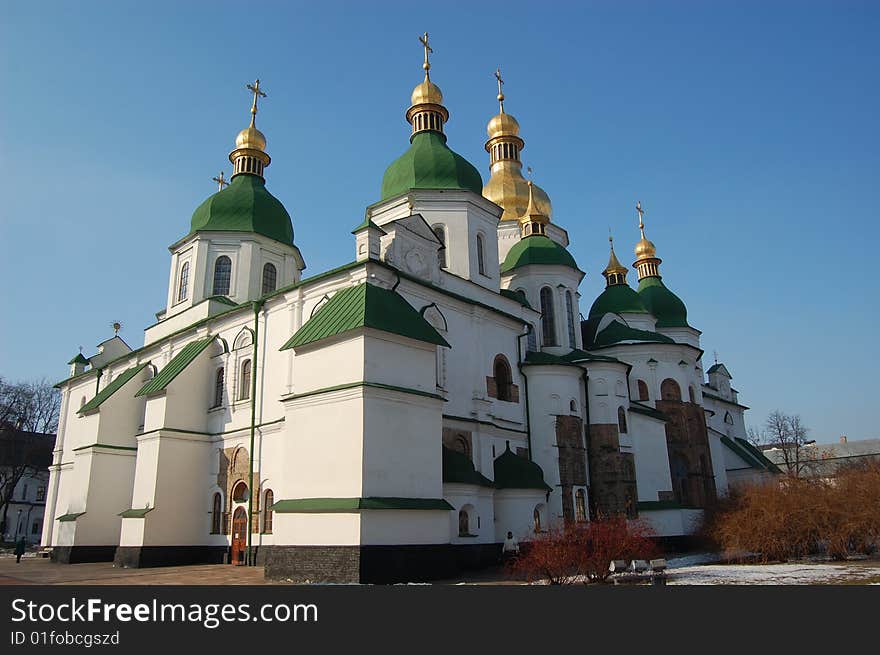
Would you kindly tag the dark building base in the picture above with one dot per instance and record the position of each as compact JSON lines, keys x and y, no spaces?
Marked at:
{"x":82,"y":554}
{"x":375,"y":564}
{"x":136,"y":557}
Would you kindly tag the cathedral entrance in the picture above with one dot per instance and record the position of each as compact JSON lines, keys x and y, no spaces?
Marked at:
{"x":239,"y":536}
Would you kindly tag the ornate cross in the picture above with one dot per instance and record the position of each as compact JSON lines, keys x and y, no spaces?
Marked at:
{"x":424,"y":41}
{"x":255,"y":88}
{"x":221,"y":181}
{"x":641,"y":212}
{"x":500,"y":92}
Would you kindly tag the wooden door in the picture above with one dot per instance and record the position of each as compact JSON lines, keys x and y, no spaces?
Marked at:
{"x":239,"y":536}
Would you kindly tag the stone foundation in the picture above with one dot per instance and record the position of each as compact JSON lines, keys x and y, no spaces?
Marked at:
{"x":82,"y":554}
{"x":136,"y":557}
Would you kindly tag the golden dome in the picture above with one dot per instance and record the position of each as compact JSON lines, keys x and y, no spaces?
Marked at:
{"x":251,"y":138}
{"x":427,"y":93}
{"x":502,"y":125}
{"x":614,"y":265}
{"x":508,"y":189}
{"x":645,"y":249}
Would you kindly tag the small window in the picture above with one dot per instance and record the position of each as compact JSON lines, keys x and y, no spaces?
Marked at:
{"x":240,"y":492}
{"x":222,"y":275}
{"x":440,"y":233}
{"x":728,"y":418}
{"x":503,"y":379}
{"x":580,"y":505}
{"x":692,"y":395}
{"x":548,"y":321}
{"x":643,"y":389}
{"x":269,"y":499}
{"x":183,"y":285}
{"x":569,"y":310}
{"x":35,"y":528}
{"x":216,"y":513}
{"x":536,"y":518}
{"x":572,"y":406}
{"x":218,"y":388}
{"x":463,"y":523}
{"x":481,"y":260}
{"x":244,"y":384}
{"x":669,"y":390}
{"x":621,"y":420}
{"x":270,"y":278}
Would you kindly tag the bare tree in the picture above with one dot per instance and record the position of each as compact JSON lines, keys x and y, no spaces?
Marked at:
{"x":787,"y":433}
{"x":28,"y":412}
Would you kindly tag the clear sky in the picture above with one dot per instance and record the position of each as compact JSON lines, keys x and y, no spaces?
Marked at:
{"x":749,"y":131}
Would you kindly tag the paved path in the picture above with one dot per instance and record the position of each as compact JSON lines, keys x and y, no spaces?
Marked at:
{"x":33,"y":570}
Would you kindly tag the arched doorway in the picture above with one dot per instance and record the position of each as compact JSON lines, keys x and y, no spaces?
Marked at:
{"x":239,"y":536}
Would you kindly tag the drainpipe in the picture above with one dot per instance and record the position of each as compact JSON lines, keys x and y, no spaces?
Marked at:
{"x":250,"y":525}
{"x":525,"y":380}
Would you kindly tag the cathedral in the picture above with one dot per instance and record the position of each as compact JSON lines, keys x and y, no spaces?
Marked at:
{"x":394,"y":418}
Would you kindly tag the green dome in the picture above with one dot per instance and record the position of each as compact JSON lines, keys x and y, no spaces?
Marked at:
{"x":430,"y":164}
{"x":244,"y":206}
{"x":537,"y":249}
{"x":515,"y":472}
{"x":666,"y":307}
{"x":617,"y":299}
{"x":458,"y":468}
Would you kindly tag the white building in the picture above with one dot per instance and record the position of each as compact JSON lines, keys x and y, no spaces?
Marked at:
{"x":393,"y":418}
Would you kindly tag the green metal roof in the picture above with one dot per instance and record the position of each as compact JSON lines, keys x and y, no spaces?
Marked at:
{"x":519,"y":296}
{"x":743,"y":453}
{"x":136,"y":513}
{"x":430,"y":164}
{"x":515,"y":472}
{"x":618,"y":299}
{"x":325,"y":505}
{"x":458,"y":468}
{"x":647,"y":410}
{"x":173,"y":368}
{"x":766,"y":461}
{"x":616,"y":332}
{"x":363,"y":225}
{"x":666,"y":307}
{"x":111,"y":388}
{"x":365,"y":305}
{"x":537,"y":249}
{"x":73,"y":516}
{"x":79,"y":359}
{"x":244,"y":206}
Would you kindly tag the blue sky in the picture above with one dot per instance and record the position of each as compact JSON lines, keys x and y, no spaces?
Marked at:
{"x":748,"y":131}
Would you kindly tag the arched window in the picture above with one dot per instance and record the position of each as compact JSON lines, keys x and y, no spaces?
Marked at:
{"x":548,"y":321}
{"x":532,"y":339}
{"x":244,"y":383}
{"x":728,"y":418}
{"x":222,"y":275}
{"x":240,"y":492}
{"x":481,"y":260}
{"x":572,"y":406}
{"x":440,"y":233}
{"x":643,"y":389}
{"x":692,"y":395}
{"x":270,"y":278}
{"x":621,"y":420}
{"x":503,"y":379}
{"x":569,"y":311}
{"x":461,"y":445}
{"x":669,"y":390}
{"x":183,"y":286}
{"x":536,"y":518}
{"x":216,"y":513}
{"x":218,"y":388}
{"x":580,"y":505}
{"x":463,"y":523}
{"x":268,"y":499}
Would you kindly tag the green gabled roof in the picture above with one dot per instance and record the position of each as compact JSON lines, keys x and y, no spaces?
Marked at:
{"x":584,"y":356}
{"x":173,"y":368}
{"x":136,"y":513}
{"x":616,"y":332}
{"x":519,"y":296}
{"x":743,"y":453}
{"x":365,"y":306}
{"x":79,"y":359}
{"x":72,"y":516}
{"x":767,"y":462}
{"x":666,"y":307}
{"x":244,"y":206}
{"x":326,"y":505}
{"x":430,"y":164}
{"x":537,"y":358}
{"x":363,"y":225}
{"x":537,"y":249}
{"x":515,"y":472}
{"x":647,"y":410}
{"x":111,"y":388}
{"x":458,"y":468}
{"x":617,"y":299}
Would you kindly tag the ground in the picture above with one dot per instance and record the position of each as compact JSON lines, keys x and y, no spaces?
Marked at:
{"x":682,"y":571}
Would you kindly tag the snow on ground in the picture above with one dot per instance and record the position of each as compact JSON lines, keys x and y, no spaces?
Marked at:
{"x":771,"y":574}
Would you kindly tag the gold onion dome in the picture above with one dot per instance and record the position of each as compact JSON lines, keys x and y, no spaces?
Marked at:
{"x":426,"y":93}
{"x":645,"y":249}
{"x":249,"y":155}
{"x":507,"y":187}
{"x":614,"y":266}
{"x":251,"y":138}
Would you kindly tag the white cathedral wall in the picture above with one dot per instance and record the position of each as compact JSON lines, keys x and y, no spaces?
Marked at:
{"x":673,"y":522}
{"x":479,"y":504}
{"x":719,"y":470}
{"x":337,"y":529}
{"x":389,"y":527}
{"x":514,"y":512}
{"x":652,"y":458}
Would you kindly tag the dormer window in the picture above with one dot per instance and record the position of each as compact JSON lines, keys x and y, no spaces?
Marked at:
{"x":222,"y":276}
{"x":270,"y":278}
{"x":183,"y":285}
